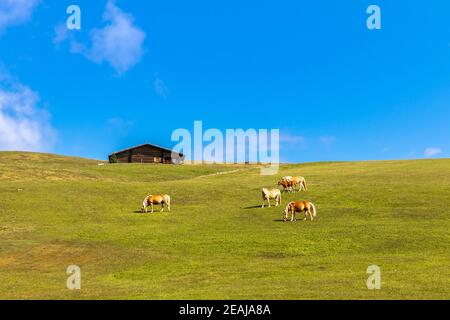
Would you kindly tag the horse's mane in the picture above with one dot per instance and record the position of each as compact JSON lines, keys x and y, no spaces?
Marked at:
{"x":290,"y":204}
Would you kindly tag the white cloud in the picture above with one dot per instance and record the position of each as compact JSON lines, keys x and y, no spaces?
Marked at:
{"x":61,"y":33}
{"x":119,"y":42}
{"x":23,"y":125}
{"x":15,"y":12}
{"x":431,"y":152}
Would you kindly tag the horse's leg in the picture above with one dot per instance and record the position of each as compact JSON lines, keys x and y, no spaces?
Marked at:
{"x":152,"y":207}
{"x":162,"y":207}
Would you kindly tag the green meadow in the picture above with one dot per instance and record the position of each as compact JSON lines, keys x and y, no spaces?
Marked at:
{"x":217,"y":243}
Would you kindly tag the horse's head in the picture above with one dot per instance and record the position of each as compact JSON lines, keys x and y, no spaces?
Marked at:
{"x":145,"y":203}
{"x":144,"y":206}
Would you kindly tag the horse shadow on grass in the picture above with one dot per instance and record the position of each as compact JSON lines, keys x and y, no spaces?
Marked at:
{"x":252,"y":207}
{"x":149,"y":212}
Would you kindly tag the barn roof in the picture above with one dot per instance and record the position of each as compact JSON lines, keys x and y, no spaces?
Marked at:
{"x":143,"y":145}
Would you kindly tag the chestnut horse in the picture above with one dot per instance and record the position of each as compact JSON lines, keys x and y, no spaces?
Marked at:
{"x":271,"y":194}
{"x":289,"y":184}
{"x":305,"y":207}
{"x":150,"y":200}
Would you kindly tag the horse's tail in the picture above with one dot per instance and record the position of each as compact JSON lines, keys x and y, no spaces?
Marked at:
{"x":314,"y":211}
{"x":304,"y":184}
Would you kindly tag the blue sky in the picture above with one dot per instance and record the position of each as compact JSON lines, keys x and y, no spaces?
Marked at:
{"x":137,"y":70}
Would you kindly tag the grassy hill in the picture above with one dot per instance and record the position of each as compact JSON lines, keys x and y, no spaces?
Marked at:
{"x":217,"y":243}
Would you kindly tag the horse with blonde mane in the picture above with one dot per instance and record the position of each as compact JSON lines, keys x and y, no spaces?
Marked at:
{"x":305,"y":207}
{"x":150,"y":200}
{"x":271,"y":194}
{"x":301,"y":182}
{"x":289,"y":183}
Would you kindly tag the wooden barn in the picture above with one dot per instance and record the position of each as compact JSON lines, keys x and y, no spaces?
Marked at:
{"x":146,"y":153}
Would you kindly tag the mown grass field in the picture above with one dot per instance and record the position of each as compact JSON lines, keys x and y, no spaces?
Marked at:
{"x":217,"y":243}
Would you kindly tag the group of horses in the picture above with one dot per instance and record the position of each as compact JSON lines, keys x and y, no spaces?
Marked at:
{"x":290,"y":184}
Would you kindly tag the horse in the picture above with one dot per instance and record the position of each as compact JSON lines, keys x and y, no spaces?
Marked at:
{"x":289,"y":183}
{"x":271,"y":194}
{"x":150,"y":200}
{"x":301,"y":182}
{"x":299,"y":206}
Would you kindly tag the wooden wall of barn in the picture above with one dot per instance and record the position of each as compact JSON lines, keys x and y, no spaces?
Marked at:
{"x":145,"y":154}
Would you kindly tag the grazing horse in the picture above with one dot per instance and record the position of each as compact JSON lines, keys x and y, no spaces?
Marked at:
{"x":305,"y":207}
{"x":289,"y":183}
{"x":150,"y":200}
{"x":271,"y":194}
{"x":301,"y":182}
